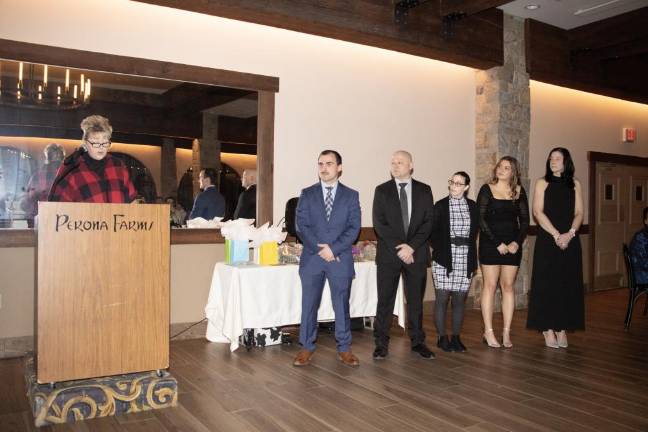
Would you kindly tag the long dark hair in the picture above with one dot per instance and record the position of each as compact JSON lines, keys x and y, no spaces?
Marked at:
{"x":569,"y":169}
{"x":514,"y":182}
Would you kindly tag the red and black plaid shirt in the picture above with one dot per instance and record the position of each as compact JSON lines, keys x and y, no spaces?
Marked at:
{"x":82,"y":184}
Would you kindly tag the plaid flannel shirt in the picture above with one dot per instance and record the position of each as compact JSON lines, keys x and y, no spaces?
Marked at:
{"x":83,"y":184}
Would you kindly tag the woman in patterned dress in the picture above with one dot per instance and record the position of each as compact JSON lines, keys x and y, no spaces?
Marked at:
{"x":456,"y":221}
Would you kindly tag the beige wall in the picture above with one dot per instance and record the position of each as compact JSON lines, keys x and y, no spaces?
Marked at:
{"x":191,"y":272}
{"x":581,"y":122}
{"x":357,"y":99}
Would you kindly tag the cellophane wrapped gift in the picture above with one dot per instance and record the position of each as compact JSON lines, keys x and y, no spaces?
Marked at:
{"x":289,"y":253}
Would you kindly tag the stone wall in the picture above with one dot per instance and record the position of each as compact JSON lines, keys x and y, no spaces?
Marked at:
{"x":502,"y":128}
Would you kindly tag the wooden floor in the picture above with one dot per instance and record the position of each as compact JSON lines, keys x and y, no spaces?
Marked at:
{"x":599,"y":383}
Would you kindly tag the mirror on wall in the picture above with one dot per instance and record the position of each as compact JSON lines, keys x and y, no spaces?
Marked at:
{"x":164,"y":130}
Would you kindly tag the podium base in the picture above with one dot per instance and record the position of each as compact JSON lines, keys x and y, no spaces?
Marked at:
{"x":71,"y":401}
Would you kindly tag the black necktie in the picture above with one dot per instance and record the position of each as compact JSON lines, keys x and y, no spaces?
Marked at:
{"x":403,"y":205}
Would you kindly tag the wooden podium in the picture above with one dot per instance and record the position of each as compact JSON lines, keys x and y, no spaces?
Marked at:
{"x":103,"y":290}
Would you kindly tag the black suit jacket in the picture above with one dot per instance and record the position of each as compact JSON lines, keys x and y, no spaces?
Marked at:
{"x":246,"y":206}
{"x":388,"y":222}
{"x":208,"y":204}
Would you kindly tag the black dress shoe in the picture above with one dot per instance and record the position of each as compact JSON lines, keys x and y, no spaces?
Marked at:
{"x":444,"y":343}
{"x":380,"y":353}
{"x":423,"y":351}
{"x":456,"y":345}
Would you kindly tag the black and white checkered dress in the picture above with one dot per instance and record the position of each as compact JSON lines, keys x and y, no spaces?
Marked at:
{"x":459,"y":227}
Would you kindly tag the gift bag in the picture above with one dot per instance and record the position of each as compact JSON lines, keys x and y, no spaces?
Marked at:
{"x":269,"y":253}
{"x":236,"y":251}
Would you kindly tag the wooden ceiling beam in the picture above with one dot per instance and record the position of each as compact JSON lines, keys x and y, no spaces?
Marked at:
{"x":467,"y":7}
{"x":560,"y":57}
{"x":476,"y":41}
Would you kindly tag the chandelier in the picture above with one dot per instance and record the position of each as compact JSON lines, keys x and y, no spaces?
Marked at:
{"x":42,"y":87}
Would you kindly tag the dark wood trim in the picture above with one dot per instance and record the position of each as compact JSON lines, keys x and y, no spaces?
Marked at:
{"x":65,"y":57}
{"x":11,"y":238}
{"x":196,"y":236}
{"x":27,"y":237}
{"x":265,"y":152}
{"x":467,"y":7}
{"x":591,"y":217}
{"x":617,"y":158}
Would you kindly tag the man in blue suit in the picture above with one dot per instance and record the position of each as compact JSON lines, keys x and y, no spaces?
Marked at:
{"x":209,"y":203}
{"x":328,"y":223}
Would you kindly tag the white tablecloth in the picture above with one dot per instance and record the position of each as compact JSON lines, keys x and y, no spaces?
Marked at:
{"x":253,"y":296}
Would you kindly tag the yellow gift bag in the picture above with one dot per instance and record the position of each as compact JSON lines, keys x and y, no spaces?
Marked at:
{"x":269,"y":253}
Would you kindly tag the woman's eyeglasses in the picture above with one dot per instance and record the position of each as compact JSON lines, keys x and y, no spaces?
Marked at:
{"x":451,"y":183}
{"x":99,"y":145}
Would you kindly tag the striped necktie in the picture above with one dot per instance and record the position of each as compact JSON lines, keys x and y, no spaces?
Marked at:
{"x":328,"y":202}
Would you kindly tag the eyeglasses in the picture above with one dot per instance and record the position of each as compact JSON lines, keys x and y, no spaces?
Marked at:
{"x":99,"y":145}
{"x":451,"y":183}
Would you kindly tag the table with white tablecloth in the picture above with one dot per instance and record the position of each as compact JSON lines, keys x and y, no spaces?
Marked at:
{"x":252,"y":296}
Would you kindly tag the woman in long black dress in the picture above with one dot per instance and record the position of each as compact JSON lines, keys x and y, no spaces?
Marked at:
{"x":503,"y":222}
{"x":556,"y":300}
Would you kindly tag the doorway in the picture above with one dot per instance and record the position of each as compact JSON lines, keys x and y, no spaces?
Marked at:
{"x":618,"y":195}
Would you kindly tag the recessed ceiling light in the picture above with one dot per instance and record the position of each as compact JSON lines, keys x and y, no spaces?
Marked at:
{"x":532,"y":7}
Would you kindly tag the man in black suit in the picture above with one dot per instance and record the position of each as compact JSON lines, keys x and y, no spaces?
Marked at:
{"x":246,"y":206}
{"x":209,"y":203}
{"x":402,"y":219}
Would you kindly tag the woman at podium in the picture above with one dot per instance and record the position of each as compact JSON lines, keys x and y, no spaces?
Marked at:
{"x":91,"y":174}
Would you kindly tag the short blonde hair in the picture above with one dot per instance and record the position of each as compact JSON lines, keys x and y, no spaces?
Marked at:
{"x":96,"y":124}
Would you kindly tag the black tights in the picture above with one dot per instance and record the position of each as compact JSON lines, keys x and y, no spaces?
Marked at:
{"x":441,"y":303}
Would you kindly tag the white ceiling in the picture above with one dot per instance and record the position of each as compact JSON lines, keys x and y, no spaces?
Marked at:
{"x":562,"y":13}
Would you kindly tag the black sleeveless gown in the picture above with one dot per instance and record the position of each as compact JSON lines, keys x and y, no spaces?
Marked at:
{"x":556,"y":298}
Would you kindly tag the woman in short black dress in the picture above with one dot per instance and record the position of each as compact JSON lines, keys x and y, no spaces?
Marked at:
{"x":504,"y":219}
{"x":556,"y":297}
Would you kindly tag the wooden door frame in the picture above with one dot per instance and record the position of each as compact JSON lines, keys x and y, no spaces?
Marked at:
{"x":594,"y":157}
{"x":266,"y":86}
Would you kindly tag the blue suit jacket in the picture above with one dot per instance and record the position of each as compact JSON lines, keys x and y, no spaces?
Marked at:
{"x":208,"y":204}
{"x":340,"y":232}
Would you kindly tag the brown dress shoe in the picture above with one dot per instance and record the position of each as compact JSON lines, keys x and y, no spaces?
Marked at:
{"x":303,"y":358}
{"x":348,"y":358}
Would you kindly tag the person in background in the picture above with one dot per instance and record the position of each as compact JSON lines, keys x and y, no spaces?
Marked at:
{"x":246,"y":206}
{"x":178,"y":214}
{"x":41,"y":181}
{"x":209,"y":203}
{"x":639,"y":251}
{"x":454,"y":255}
{"x":91,"y":174}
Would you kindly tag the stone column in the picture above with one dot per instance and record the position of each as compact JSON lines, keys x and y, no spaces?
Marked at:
{"x":502,"y":129}
{"x":168,"y":169}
